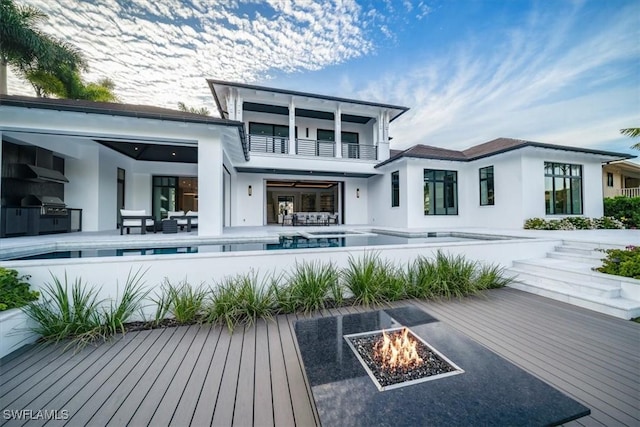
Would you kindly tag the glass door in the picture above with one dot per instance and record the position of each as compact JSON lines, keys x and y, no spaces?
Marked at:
{"x":165,"y":189}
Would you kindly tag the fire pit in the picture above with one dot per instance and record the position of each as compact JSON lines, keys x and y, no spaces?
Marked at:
{"x":413,"y":382}
{"x":397,"y":357}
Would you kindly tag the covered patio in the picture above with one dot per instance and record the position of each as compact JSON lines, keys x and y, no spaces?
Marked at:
{"x":202,"y":375}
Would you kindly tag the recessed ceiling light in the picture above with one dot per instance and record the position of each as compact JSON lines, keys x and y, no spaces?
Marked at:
{"x":173,"y":154}
{"x":135,"y":148}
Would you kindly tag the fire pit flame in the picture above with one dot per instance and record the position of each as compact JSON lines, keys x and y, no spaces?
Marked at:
{"x":397,"y":351}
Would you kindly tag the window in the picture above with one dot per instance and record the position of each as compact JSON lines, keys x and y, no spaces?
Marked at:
{"x":395,"y":189}
{"x":562,"y":188}
{"x":440,"y":192}
{"x":609,"y":179}
{"x":329,"y":135}
{"x":486,"y":186}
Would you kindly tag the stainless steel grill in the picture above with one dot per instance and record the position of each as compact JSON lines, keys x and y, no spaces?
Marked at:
{"x":49,"y":205}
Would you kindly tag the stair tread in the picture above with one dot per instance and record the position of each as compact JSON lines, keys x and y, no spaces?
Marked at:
{"x":617,"y":302}
{"x":561,"y":264}
{"x":598,"y":285}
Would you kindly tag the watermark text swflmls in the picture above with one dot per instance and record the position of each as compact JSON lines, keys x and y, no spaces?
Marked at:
{"x":40,"y":414}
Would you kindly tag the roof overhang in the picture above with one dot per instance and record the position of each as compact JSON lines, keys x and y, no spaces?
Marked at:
{"x":112,"y":135}
{"x":604,"y":156}
{"x":307,"y":104}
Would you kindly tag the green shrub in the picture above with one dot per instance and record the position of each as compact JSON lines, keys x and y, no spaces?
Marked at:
{"x":573,"y":223}
{"x":66,"y":311}
{"x":119,"y":313}
{"x":371,"y":280}
{"x":74,"y":311}
{"x":448,"y":276}
{"x":490,"y":276}
{"x":14,"y":290}
{"x":184,"y":301}
{"x":625,"y":209}
{"x":622,"y":262}
{"x":241,"y":299}
{"x":308,"y":287}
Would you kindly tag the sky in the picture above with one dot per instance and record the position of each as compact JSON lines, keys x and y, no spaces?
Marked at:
{"x":559,"y":72}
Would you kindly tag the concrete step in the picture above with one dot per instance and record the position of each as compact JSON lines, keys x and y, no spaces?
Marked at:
{"x":579,"y":250}
{"x":618,"y":307}
{"x":591,"y":245}
{"x":592,"y":260}
{"x":567,"y":271}
{"x":558,"y":282}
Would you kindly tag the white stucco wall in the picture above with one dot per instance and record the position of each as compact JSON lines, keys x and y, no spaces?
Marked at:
{"x":518,"y":183}
{"x":381,"y":213}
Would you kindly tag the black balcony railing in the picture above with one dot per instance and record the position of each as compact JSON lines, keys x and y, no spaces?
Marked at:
{"x":312,"y":147}
{"x":359,"y":151}
{"x":269,"y":144}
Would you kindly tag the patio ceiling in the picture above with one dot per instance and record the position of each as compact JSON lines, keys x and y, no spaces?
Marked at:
{"x":153,"y":152}
{"x":301,"y":112}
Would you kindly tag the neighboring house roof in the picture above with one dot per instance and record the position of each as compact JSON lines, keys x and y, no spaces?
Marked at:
{"x":399,"y":110}
{"x":491,"y":148}
{"x":126,"y":110}
{"x":629,"y":168}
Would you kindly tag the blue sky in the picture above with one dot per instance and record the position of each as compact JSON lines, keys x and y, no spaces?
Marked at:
{"x":563,"y":72}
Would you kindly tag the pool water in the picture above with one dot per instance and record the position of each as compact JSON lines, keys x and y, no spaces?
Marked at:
{"x":285,"y":242}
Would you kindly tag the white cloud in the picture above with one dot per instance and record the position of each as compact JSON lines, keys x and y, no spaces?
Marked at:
{"x":542,"y":83}
{"x":160,"y":52}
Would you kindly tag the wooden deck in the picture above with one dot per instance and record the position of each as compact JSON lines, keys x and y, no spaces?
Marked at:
{"x":203,"y":375}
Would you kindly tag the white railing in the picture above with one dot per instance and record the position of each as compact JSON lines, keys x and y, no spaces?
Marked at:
{"x":630,"y":192}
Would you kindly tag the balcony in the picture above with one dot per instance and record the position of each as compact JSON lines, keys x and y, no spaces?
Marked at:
{"x":268,"y":144}
{"x":310,"y":147}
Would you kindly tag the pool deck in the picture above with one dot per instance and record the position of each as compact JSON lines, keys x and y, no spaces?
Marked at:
{"x":202,"y":375}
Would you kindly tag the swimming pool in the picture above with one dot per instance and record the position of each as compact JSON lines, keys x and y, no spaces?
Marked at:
{"x":298,"y":241}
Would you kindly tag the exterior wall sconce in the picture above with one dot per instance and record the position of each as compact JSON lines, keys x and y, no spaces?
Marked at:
{"x":249,"y":190}
{"x":358,"y":193}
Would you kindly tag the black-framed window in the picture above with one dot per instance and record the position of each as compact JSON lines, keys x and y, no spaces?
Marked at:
{"x":330,"y":135}
{"x":395,"y":189}
{"x":440,"y":192}
{"x":609,"y":179}
{"x":487,"y":193}
{"x":562,"y":188}
{"x":267,"y":129}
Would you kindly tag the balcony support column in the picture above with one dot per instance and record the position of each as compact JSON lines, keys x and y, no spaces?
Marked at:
{"x":293,"y":146}
{"x":239,"y":103}
{"x":338,"y":132}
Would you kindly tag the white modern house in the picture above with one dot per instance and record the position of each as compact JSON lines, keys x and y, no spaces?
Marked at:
{"x":274,"y":152}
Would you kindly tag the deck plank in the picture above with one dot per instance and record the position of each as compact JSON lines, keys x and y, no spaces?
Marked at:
{"x":206,"y":405}
{"x":189,"y":399}
{"x":110,"y":380}
{"x":282,"y":407}
{"x":175,"y":390}
{"x":89,"y":381}
{"x":122,"y":414}
{"x":243,"y":410}
{"x":262,"y":398}
{"x":300,"y":399}
{"x":202,"y":375}
{"x":157,"y":341}
{"x":223,"y":414}
{"x":154,"y":394}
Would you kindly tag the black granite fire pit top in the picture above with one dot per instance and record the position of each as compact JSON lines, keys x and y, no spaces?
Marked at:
{"x":431,"y":366}
{"x":491,"y":391}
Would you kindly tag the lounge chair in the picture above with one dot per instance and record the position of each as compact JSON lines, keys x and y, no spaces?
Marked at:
{"x":136,"y":218}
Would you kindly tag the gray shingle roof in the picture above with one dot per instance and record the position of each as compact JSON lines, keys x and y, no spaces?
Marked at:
{"x":496,"y":146}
